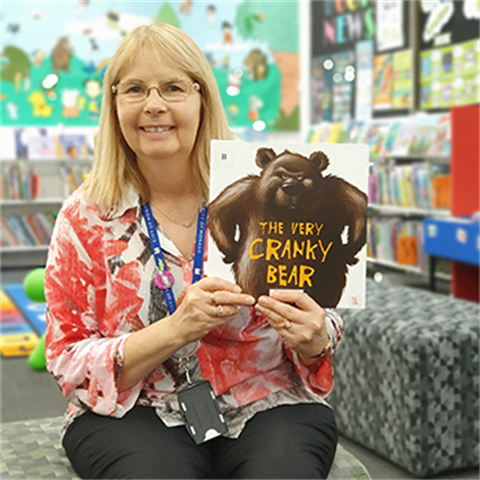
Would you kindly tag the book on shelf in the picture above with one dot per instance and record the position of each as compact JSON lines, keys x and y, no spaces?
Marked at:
{"x":290,"y":216}
{"x":417,"y":136}
{"x":27,"y":230}
{"x":71,"y":146}
{"x":417,"y":185}
{"x":423,"y":135}
{"x":396,"y":240}
{"x":441,"y":143}
{"x":19,"y":182}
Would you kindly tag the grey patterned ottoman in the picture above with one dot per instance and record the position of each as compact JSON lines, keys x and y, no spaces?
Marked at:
{"x":407,"y":378}
{"x":31,"y":449}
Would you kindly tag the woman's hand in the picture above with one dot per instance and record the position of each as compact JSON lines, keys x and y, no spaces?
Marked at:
{"x":299,"y":319}
{"x":207,"y":304}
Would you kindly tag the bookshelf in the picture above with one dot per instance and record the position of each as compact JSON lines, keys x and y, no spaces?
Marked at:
{"x":33,"y":192}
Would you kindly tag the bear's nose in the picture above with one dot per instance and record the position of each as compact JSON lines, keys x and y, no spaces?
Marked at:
{"x":292,"y":188}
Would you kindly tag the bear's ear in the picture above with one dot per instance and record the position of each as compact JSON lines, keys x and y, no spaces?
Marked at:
{"x":320,"y":160}
{"x":264,"y":157}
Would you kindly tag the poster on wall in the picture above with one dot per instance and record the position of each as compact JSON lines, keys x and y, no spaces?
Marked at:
{"x":321,"y":85}
{"x":449,"y":56}
{"x":389,"y":19}
{"x":343,"y":76}
{"x":402,"y":79}
{"x":363,"y":93}
{"x":55,"y":55}
{"x":383,"y":81}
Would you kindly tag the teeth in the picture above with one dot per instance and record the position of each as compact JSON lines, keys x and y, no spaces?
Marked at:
{"x":156,"y":129}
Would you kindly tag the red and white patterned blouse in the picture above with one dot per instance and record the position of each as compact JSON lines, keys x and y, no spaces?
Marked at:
{"x":100,"y":289}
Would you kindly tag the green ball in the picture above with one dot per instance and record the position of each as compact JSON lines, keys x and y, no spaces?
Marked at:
{"x":33,"y":285}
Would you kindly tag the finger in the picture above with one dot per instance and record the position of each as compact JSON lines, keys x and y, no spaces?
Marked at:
{"x":280,"y":308}
{"x":215,"y":283}
{"x":225,"y":297}
{"x":295,"y":297}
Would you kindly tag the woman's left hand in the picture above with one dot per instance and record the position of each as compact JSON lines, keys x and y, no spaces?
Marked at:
{"x":299,"y":319}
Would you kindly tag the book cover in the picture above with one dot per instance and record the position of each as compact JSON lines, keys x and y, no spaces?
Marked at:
{"x":71,"y":146}
{"x":290,"y":216}
{"x":440,"y":146}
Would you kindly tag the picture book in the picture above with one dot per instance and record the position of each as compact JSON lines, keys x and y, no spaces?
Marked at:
{"x":290,"y":216}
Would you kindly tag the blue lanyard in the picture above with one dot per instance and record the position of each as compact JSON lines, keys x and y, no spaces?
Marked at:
{"x":158,"y":253}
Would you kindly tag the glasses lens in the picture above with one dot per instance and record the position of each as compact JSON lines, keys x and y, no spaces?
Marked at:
{"x":175,"y":91}
{"x":133,"y":92}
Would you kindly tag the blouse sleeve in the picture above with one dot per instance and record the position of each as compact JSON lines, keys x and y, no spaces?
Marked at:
{"x":318,"y":376}
{"x":85,"y":363}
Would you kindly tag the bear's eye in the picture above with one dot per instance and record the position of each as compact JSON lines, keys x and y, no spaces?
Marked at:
{"x":299,"y":178}
{"x":284,"y":176}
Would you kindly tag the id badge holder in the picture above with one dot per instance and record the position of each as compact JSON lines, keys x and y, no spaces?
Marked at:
{"x":201,"y":412}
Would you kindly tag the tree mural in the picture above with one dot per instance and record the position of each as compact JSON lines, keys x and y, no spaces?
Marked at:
{"x":167,"y":15}
{"x":17,"y":67}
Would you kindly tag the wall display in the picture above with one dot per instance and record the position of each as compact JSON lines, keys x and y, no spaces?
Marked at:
{"x":402,"y":79}
{"x":55,"y":55}
{"x":449,"y":56}
{"x":383,"y":81}
{"x":322,"y":89}
{"x":364,"y":83}
{"x":338,"y":25}
{"x":332,"y":87}
{"x":343,"y":75}
{"x":389,"y":20}
{"x":450,"y":75}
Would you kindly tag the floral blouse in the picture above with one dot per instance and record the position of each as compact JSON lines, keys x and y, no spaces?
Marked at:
{"x":100,"y":288}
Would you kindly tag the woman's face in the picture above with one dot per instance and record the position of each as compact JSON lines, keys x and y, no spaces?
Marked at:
{"x":156,"y":129}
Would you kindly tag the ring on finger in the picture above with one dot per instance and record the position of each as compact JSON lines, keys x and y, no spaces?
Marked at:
{"x":212,"y":298}
{"x":287,"y":324}
{"x":220,"y":311}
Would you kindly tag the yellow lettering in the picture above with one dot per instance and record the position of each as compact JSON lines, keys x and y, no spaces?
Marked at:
{"x":287,"y":249}
{"x":271,"y":274}
{"x":305,"y":273}
{"x":310,"y":254}
{"x":309,"y":228}
{"x":293,"y":278}
{"x":298,"y":250}
{"x":263,"y":225}
{"x":272,"y":249}
{"x":319,"y":228}
{"x":282,"y":274}
{"x":251,"y":254}
{"x":325,"y":252}
{"x":294,"y":227}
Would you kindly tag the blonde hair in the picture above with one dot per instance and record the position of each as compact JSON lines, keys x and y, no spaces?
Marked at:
{"x":115,"y":165}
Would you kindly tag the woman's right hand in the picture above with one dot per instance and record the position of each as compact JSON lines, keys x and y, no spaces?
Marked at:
{"x":205,"y":305}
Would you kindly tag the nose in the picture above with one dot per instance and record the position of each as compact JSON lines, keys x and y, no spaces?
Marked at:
{"x":154,"y":101}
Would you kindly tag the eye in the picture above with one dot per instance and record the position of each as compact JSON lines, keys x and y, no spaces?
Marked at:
{"x":285,"y":176}
{"x":174,"y":88}
{"x":299,"y":178}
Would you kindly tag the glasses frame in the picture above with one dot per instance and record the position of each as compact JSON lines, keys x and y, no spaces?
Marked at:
{"x":191,"y":86}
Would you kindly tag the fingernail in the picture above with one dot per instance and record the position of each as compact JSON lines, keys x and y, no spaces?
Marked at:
{"x":263,"y":301}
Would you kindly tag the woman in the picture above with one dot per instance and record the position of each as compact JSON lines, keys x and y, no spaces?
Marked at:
{"x":126,"y":349}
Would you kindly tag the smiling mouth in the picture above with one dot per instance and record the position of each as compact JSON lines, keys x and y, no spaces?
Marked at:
{"x":156,"y":129}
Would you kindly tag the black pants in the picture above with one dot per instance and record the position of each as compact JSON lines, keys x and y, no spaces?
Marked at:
{"x":291,"y":441}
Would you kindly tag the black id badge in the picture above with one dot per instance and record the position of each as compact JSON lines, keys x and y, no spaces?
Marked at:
{"x":201,"y":412}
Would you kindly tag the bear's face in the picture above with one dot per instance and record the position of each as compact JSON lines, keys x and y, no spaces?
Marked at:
{"x":287,"y":181}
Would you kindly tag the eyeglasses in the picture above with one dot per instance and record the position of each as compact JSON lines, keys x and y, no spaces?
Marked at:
{"x":170,"y":90}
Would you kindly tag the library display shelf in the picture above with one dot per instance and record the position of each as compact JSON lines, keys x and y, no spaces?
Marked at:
{"x":374,"y":262}
{"x":408,"y":211}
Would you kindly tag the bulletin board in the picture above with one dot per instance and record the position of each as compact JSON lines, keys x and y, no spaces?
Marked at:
{"x":54,"y":57}
{"x":361,"y":59}
{"x":449,"y":53}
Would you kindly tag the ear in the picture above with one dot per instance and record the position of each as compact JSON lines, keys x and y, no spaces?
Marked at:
{"x":264,"y":157}
{"x":320,"y":160}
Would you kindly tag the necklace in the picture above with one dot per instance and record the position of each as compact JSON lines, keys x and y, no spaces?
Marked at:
{"x":185,"y":224}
